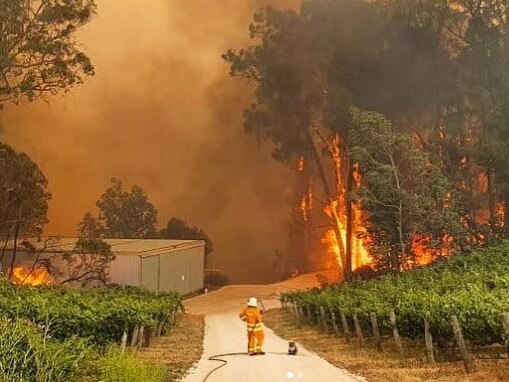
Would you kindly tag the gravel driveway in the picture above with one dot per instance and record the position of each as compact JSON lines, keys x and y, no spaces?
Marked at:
{"x":226,"y":333}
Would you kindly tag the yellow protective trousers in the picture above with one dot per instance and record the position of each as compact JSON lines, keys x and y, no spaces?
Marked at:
{"x":253,"y":318}
{"x":255,"y":341}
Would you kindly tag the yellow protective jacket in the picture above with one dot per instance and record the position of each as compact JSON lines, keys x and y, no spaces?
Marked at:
{"x":253,"y":317}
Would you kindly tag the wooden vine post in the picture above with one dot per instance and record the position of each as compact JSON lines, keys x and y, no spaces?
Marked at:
{"x":297,"y":313}
{"x":505,"y":321}
{"x":292,"y":309}
{"x":376,"y":332}
{"x":308,"y":314}
{"x":358,"y":328}
{"x":428,"y":340}
{"x":301,"y":313}
{"x":159,"y":328}
{"x":123,"y":341}
{"x":318,"y":320}
{"x":346,"y":329}
{"x":458,"y":334}
{"x":141,"y":336}
{"x":395,"y":332}
{"x":134,"y":336}
{"x":325,"y":325}
{"x":335,"y":326}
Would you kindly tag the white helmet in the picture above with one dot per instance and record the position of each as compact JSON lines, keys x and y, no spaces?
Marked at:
{"x":252,"y":302}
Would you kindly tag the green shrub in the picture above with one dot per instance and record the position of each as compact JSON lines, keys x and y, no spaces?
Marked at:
{"x":27,"y":355}
{"x":118,"y":367}
{"x":475,"y":287}
{"x":99,"y":314}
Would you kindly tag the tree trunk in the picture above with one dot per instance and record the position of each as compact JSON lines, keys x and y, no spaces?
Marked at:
{"x":4,"y":248}
{"x":349,"y":222}
{"x":400,"y":214}
{"x":330,"y":200}
{"x":14,"y":249}
{"x":492,"y":202}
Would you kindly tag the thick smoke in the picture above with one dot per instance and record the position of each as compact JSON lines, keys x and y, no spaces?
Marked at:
{"x":162,"y":113}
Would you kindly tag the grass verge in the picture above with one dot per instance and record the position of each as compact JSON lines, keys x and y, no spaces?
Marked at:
{"x":181,"y":348}
{"x":388,"y":366}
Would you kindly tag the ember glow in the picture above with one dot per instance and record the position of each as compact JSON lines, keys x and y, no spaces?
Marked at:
{"x":27,"y":276}
{"x":306,"y":205}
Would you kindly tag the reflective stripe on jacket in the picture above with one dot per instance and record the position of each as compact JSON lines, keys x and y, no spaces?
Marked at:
{"x":253,"y":318}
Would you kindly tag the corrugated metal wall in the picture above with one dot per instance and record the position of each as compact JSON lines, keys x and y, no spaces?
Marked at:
{"x":180,"y":270}
{"x":150,"y":272}
{"x":125,"y":270}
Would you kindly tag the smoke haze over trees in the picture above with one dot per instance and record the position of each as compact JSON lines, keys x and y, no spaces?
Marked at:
{"x":161,"y":112}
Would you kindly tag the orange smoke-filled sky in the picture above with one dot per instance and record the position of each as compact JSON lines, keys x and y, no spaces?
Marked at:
{"x":162,"y":113}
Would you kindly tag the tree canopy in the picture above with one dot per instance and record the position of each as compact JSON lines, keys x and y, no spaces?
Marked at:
{"x":38,"y":51}
{"x":122,"y":214}
{"x":436,"y":73}
{"x":24,"y":194}
{"x":181,"y":230}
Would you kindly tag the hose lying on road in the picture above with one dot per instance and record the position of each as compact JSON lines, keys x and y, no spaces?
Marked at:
{"x":217,"y":358}
{"x":224,"y":362}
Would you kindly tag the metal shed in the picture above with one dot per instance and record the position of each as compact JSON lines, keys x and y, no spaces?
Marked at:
{"x":158,"y":265}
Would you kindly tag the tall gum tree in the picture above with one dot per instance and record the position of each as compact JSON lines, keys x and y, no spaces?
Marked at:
{"x":310,"y":67}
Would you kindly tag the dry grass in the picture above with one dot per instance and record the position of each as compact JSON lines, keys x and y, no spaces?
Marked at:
{"x":383,"y":367}
{"x":181,"y":348}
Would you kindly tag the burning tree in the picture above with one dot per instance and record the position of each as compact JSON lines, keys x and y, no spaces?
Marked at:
{"x":438,"y":71}
{"x":413,"y":214}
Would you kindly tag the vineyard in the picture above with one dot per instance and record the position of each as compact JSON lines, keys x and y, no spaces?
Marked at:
{"x":61,"y":334}
{"x":423,"y":303}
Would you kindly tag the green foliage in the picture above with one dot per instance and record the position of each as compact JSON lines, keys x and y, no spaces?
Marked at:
{"x":180,"y":230}
{"x":26,"y":355}
{"x":99,"y":314}
{"x":118,"y":367}
{"x":405,"y":194}
{"x":23,"y":194}
{"x":123,"y":214}
{"x":88,"y":262}
{"x":38,"y":51}
{"x":474,"y":287}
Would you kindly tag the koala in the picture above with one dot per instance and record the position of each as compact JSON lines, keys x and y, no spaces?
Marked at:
{"x":292,"y":348}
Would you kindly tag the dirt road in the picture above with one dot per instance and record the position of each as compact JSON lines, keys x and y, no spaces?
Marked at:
{"x":225,"y":333}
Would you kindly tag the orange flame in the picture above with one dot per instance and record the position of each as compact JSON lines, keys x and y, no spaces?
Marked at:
{"x":425,"y":254}
{"x":24,"y":276}
{"x":360,"y":255}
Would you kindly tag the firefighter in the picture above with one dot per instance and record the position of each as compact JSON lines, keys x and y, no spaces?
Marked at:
{"x":253,"y":317}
